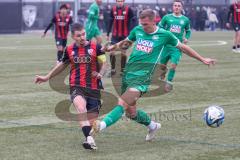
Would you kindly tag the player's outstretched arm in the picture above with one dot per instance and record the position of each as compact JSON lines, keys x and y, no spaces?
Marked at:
{"x":56,"y":70}
{"x":122,"y":45}
{"x":192,"y":53}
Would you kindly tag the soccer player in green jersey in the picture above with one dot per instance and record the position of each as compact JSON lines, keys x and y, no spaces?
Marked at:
{"x":178,"y":24}
{"x":92,"y":22}
{"x":150,"y":41}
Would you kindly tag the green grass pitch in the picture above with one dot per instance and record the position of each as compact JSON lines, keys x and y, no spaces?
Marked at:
{"x":29,"y":128}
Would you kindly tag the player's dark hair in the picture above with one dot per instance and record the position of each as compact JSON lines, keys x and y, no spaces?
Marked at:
{"x":178,"y":1}
{"x":63,"y":6}
{"x":147,"y":13}
{"x":76,"y":27}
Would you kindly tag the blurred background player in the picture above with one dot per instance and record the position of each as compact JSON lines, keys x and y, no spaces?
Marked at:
{"x":87,"y":66}
{"x":62,"y":21}
{"x":149,"y":43}
{"x":92,"y":28}
{"x":234,"y":18}
{"x":120,"y":23}
{"x":178,"y":24}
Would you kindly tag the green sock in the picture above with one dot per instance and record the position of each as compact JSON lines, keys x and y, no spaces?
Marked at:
{"x":171,"y":75}
{"x":113,"y":116}
{"x":142,"y":118}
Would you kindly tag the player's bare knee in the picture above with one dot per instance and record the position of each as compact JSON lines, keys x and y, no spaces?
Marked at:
{"x":121,"y":102}
{"x":174,"y":66}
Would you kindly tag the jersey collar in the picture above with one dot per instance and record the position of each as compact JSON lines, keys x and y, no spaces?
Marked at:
{"x":154,"y":31}
{"x":176,"y":16}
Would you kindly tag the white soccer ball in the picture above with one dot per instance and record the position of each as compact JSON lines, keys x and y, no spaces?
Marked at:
{"x":214,"y":116}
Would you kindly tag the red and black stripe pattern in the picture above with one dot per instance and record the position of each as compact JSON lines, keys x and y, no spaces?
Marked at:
{"x":120,"y":21}
{"x":62,"y":26}
{"x":234,"y":11}
{"x":83,"y":62}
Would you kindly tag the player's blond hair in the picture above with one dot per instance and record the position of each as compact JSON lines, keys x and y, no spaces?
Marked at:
{"x":147,"y":13}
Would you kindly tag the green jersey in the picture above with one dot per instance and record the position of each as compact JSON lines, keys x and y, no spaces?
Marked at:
{"x":145,"y":55}
{"x":177,"y":25}
{"x":93,"y":16}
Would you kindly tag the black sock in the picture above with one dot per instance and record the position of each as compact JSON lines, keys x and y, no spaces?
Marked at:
{"x":59,"y":55}
{"x":238,"y":46}
{"x":113,"y":61}
{"x":86,"y":130}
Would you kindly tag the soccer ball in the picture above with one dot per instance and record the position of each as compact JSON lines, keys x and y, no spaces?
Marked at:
{"x":213,"y":116}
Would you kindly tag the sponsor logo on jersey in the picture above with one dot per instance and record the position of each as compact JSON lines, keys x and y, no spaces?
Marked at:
{"x":175,"y":28}
{"x":62,"y":23}
{"x":119,"y":17}
{"x":144,"y":45}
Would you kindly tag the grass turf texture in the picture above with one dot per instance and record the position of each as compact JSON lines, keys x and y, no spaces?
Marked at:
{"x":29,"y":128}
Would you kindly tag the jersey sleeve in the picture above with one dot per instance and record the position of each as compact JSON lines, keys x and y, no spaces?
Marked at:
{"x":188,"y":29}
{"x":92,"y":12}
{"x":132,"y":35}
{"x":231,"y":10}
{"x":101,"y":57}
{"x":162,"y":23}
{"x":172,"y":39}
{"x":65,"y":58}
{"x":53,"y":21}
{"x":99,"y":51}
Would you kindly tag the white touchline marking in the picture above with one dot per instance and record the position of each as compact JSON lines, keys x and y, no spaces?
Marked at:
{"x":208,"y":43}
{"x":38,"y":120}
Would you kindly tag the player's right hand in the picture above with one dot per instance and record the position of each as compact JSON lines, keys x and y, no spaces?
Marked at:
{"x":228,"y":25}
{"x":40,"y":79}
{"x":44,"y":34}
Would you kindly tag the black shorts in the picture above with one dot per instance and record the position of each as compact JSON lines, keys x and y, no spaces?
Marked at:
{"x":61,"y":42}
{"x":236,"y":26}
{"x":115,"y":40}
{"x":92,"y":97}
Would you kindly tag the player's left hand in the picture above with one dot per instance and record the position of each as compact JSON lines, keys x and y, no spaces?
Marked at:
{"x":209,"y":61}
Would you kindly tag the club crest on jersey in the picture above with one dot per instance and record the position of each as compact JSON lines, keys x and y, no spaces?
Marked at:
{"x":175,"y":28}
{"x":155,"y":37}
{"x":90,"y":51}
{"x":144,"y":45}
{"x":181,"y":22}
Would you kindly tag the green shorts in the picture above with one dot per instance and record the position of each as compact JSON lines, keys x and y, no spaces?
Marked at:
{"x":93,"y":32}
{"x":138,"y":82}
{"x":171,"y":53}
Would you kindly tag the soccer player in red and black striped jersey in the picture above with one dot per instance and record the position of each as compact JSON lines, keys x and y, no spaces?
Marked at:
{"x":234,"y":18}
{"x":62,"y":21}
{"x":119,"y":25}
{"x":87,"y":66}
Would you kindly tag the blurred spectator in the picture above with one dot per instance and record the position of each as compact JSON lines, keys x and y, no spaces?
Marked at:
{"x":201,"y":17}
{"x":106,"y":16}
{"x":212,"y":21}
{"x":82,"y":15}
{"x":222,"y":16}
{"x":162,"y":12}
